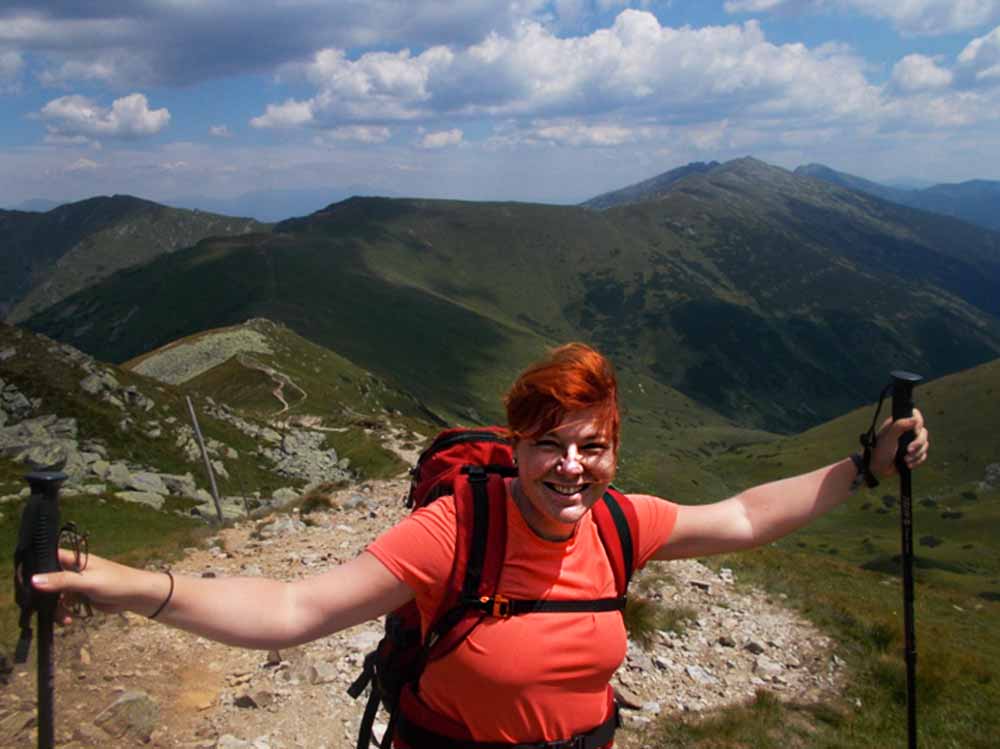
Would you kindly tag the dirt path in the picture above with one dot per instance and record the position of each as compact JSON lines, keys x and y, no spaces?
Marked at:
{"x":209,"y":695}
{"x":280,"y":379}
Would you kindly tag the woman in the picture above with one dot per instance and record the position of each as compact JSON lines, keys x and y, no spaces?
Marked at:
{"x":532,"y":678}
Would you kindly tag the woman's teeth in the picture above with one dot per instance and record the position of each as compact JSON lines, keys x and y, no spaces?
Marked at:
{"x":566,"y":490}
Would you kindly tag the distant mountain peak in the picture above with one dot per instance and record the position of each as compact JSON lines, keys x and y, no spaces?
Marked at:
{"x":744,"y":168}
{"x":649,"y":189}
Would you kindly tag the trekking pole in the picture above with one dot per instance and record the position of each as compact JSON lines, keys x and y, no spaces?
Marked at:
{"x":902,"y":408}
{"x":37,"y":552}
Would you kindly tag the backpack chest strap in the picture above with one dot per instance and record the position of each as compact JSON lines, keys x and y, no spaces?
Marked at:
{"x":502,"y":607}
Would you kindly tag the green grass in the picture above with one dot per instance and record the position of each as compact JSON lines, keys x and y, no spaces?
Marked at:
{"x":958,"y":662}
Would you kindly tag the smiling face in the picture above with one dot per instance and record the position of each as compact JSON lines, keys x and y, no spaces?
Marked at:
{"x":563,"y":472}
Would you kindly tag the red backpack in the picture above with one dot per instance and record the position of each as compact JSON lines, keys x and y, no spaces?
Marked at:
{"x":471,"y":464}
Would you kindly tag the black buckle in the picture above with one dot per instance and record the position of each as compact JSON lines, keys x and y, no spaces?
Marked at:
{"x":498,"y":606}
{"x":475,"y":472}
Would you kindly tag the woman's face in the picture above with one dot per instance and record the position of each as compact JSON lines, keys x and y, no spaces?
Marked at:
{"x":563,"y":472}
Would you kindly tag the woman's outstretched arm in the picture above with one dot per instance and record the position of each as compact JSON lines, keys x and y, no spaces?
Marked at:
{"x":245,"y":611}
{"x":767,"y":512}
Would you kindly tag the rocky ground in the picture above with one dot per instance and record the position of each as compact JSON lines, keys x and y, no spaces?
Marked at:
{"x":122,"y":681}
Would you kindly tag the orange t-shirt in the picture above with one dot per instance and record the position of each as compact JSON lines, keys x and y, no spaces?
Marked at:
{"x":533,"y":677}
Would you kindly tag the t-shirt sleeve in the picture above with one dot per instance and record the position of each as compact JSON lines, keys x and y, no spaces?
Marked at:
{"x":656,"y":523}
{"x":420,"y":550}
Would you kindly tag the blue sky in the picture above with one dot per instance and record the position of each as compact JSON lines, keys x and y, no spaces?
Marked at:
{"x":520,"y":100}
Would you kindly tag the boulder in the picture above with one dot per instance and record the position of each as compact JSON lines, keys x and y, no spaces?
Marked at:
{"x":44,"y":457}
{"x":180,"y":485}
{"x":147,"y":481}
{"x":118,"y":474}
{"x":133,"y":716}
{"x":144,"y":498}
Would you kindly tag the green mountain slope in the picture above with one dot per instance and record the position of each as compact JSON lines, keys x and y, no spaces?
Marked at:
{"x":976,"y":201}
{"x":45,"y":257}
{"x":770,"y":298}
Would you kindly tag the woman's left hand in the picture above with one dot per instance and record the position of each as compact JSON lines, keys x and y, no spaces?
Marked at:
{"x":883,"y":461}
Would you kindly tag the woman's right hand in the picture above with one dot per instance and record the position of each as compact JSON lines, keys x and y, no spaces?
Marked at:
{"x":105,"y":585}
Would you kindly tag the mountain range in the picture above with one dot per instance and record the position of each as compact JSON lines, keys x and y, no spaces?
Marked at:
{"x":774,"y":299}
{"x":45,"y":257}
{"x":976,"y":201}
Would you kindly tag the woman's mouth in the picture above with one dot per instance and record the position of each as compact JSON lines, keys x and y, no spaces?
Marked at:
{"x":566,"y":490}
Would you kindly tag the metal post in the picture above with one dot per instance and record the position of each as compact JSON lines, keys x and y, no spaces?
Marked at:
{"x":204,"y":454}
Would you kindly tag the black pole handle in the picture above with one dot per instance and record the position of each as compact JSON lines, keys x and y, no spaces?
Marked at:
{"x":902,"y":393}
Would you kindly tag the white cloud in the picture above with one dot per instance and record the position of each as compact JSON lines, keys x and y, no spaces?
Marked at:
{"x":981,"y":57}
{"x":920,"y":73}
{"x":360,"y":134}
{"x":82,"y":165}
{"x":582,"y":134}
{"x":291,"y":113}
{"x":103,"y":70}
{"x":753,"y":6}
{"x":635,"y":68}
{"x":441,"y":139}
{"x":927,"y":17}
{"x":77,"y":116}
{"x":219,"y":131}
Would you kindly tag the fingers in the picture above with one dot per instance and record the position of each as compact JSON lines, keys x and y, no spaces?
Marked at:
{"x":888,"y":438}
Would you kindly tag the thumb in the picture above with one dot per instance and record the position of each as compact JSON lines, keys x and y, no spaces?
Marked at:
{"x":57,"y":582}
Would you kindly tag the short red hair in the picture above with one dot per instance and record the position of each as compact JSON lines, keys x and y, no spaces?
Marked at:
{"x":570,"y":378}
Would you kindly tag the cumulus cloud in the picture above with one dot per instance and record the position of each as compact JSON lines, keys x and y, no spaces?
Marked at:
{"x":167,"y":42}
{"x":79,"y":117}
{"x":981,"y":58}
{"x":635,"y":68}
{"x":441,"y":139}
{"x":219,"y":131}
{"x":920,"y":73}
{"x":291,"y":113}
{"x":929,"y":17}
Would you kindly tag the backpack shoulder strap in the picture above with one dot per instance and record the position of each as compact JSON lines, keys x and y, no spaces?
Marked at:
{"x":618,"y":527}
{"x":480,"y":547}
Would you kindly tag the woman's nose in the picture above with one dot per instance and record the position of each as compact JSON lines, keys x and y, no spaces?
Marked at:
{"x":570,"y":461}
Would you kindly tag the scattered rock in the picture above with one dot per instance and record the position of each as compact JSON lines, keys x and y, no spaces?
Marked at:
{"x":133,"y":715}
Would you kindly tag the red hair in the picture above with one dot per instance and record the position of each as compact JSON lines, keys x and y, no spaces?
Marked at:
{"x":572,"y":377}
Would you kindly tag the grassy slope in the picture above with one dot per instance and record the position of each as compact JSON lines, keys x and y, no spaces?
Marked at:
{"x":324,"y":385}
{"x":954,"y":520}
